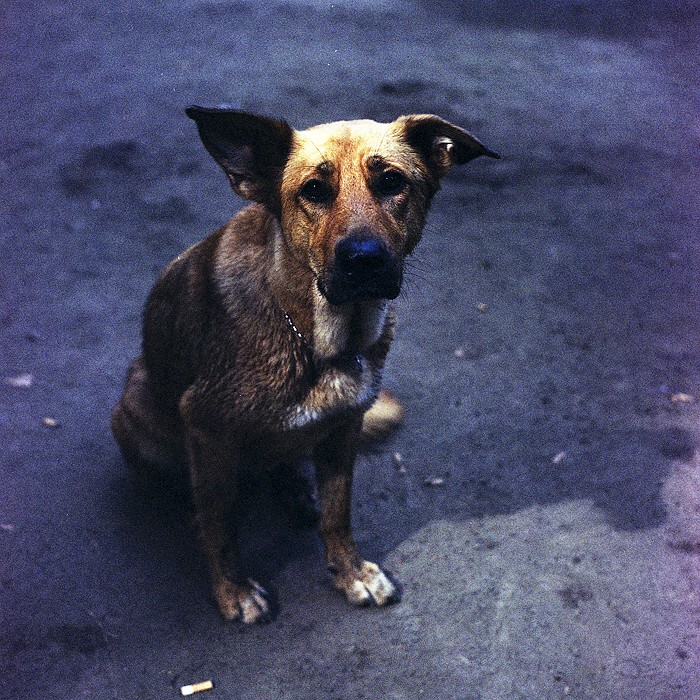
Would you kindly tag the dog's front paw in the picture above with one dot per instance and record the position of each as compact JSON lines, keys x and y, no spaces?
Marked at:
{"x":367,"y":585}
{"x":248,"y":604}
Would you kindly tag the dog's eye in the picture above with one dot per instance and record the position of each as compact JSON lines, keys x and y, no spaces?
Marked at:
{"x":390,"y":183}
{"x":316,"y":192}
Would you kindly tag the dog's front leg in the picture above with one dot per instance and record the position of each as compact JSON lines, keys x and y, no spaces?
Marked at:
{"x":213,"y":477}
{"x":362,"y":582}
{"x":213,"y":490}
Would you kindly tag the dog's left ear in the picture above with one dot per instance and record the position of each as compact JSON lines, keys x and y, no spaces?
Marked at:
{"x":252,"y":150}
{"x":441,"y":144}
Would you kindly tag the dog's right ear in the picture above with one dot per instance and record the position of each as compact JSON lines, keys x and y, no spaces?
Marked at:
{"x":252,"y":150}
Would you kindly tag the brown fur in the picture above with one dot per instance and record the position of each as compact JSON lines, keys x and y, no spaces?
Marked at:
{"x":264,"y":343}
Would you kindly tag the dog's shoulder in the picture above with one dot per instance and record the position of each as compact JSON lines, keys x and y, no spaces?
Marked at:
{"x":250,"y":227}
{"x":241,"y":263}
{"x":226,"y":267}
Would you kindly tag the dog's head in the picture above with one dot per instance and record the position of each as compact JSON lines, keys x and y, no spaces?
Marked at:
{"x":351,"y":197}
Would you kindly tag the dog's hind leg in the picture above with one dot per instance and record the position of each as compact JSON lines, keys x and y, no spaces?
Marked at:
{"x":150,"y":440}
{"x":383,"y":416}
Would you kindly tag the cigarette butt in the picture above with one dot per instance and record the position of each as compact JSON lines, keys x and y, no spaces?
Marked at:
{"x":196,"y":688}
{"x":481,"y":307}
{"x":50,"y":422}
{"x":559,"y":457}
{"x":682,"y":398}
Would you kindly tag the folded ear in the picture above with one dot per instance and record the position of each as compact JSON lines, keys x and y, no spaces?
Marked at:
{"x":252,"y":150}
{"x":441,"y":144}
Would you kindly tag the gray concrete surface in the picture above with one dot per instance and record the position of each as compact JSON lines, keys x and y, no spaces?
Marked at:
{"x":560,"y":555}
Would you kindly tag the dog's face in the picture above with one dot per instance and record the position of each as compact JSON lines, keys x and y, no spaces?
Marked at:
{"x":351,"y":197}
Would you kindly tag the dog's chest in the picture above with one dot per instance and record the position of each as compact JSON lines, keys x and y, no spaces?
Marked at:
{"x":347,"y":385}
{"x":278,"y":379}
{"x":275,"y":385}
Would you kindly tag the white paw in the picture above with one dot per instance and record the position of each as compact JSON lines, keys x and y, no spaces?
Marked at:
{"x":254,"y":607}
{"x":245,"y":603}
{"x":369,"y":585}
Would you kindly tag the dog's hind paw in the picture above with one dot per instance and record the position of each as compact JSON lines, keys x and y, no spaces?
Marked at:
{"x":368,"y":586}
{"x":385,"y":414}
{"x":248,"y":604}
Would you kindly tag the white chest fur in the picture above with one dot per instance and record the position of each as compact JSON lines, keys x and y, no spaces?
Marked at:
{"x":341,"y":386}
{"x":350,"y":328}
{"x":347,"y":380}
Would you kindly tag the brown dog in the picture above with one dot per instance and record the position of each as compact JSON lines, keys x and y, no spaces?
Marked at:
{"x":265,"y":342}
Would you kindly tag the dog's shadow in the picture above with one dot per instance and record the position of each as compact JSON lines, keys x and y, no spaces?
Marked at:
{"x":156,"y":522}
{"x":157,"y":526}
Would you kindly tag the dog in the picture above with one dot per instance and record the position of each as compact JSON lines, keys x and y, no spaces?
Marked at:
{"x":263,"y":344}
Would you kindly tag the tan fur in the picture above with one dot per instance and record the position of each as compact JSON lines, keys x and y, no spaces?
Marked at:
{"x":265,"y":342}
{"x":383,"y":416}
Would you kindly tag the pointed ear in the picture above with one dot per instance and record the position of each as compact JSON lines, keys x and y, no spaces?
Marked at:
{"x":441,"y":144}
{"x":252,"y":150}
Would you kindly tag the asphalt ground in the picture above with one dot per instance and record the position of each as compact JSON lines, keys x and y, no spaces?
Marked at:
{"x":544,"y":517}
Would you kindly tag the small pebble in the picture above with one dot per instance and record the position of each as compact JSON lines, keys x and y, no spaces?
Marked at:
{"x":21,"y":381}
{"x":397,"y":459}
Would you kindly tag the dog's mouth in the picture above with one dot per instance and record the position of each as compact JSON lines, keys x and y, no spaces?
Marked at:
{"x":337,"y":296}
{"x":363,"y":268}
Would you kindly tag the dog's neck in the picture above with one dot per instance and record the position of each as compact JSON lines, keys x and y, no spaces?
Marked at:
{"x":349,"y":329}
{"x":331,"y":331}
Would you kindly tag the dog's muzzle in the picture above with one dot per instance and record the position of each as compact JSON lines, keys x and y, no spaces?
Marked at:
{"x":363,"y":268}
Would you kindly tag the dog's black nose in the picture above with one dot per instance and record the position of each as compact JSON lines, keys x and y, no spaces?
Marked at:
{"x":356,"y":255}
{"x":363,"y":267}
